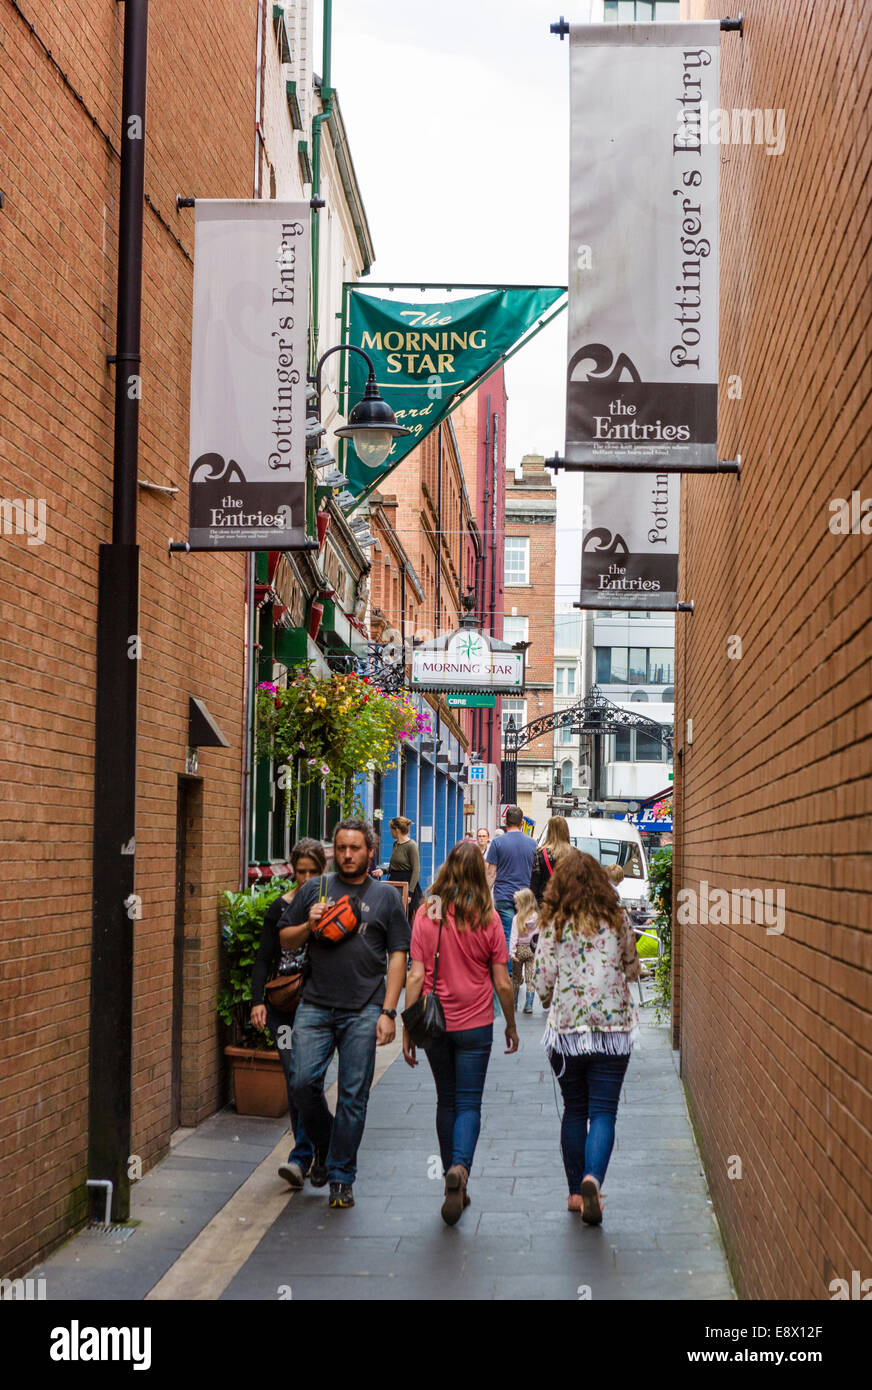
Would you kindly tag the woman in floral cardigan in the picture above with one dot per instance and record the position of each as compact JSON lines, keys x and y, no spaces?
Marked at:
{"x":586,"y":955}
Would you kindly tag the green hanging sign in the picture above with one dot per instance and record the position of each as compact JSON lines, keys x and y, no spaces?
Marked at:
{"x":426,"y":356}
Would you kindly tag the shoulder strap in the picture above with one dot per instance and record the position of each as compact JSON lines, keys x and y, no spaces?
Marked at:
{"x":436,"y":957}
{"x":547,"y":861}
{"x":322,"y":889}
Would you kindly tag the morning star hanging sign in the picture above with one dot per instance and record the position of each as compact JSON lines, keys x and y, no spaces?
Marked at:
{"x":247,"y":467}
{"x":643,"y":276}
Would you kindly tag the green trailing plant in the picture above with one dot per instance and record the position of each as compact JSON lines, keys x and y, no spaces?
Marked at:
{"x":330,"y":730}
{"x":240,"y":916}
{"x":660,"y":883}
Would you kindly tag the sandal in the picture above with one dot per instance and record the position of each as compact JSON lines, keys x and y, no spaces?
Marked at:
{"x":455,"y":1193}
{"x":574,"y":1202}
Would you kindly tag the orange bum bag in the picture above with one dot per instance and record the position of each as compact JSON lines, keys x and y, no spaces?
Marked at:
{"x":339,"y":920}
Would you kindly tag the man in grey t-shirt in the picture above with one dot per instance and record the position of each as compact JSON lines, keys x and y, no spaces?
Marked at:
{"x":509,"y":866}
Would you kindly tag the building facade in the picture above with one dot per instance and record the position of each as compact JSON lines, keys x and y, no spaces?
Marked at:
{"x":773,"y":719}
{"x":529,"y":565}
{"x":206,"y":622}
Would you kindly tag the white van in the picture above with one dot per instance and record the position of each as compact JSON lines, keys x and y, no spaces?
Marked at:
{"x":616,"y":842}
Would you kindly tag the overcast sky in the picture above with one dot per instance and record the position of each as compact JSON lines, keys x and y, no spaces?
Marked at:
{"x":457,"y":115}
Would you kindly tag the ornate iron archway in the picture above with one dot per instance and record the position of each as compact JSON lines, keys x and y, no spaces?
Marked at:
{"x":594,"y":715}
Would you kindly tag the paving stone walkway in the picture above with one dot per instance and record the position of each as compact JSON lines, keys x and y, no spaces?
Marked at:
{"x":218,"y":1197}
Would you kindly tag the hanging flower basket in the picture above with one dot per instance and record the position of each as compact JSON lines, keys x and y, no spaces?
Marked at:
{"x":331,"y":729}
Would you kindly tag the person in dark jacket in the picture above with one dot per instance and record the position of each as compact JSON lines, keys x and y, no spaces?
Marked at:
{"x":552,"y":848}
{"x":307,"y":861}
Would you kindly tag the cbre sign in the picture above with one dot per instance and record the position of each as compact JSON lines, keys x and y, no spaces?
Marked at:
{"x":468,"y":661}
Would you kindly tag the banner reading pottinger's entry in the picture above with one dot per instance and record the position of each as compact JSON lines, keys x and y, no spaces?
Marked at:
{"x":629,"y":548}
{"x":426,"y":354}
{"x":643,"y":276}
{"x":247,"y":466}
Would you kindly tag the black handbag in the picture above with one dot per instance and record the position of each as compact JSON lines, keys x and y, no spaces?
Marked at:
{"x":424,"y":1021}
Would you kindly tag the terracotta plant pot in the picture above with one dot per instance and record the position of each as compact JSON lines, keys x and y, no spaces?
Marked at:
{"x":258,"y":1082}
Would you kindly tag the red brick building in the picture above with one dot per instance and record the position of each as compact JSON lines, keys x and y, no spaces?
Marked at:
{"x":773,"y":720}
{"x":528,"y":570}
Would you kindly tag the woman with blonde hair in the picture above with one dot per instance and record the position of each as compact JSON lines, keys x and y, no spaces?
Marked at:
{"x":458,"y":927}
{"x":405,"y":864}
{"x":553,"y":847}
{"x":522,"y":945}
{"x":585,"y":958}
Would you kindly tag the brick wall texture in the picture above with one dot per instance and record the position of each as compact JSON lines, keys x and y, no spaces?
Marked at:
{"x":776,"y":789}
{"x":61,"y":114}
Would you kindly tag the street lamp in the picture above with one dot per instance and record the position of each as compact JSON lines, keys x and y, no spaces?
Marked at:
{"x":372,"y":425}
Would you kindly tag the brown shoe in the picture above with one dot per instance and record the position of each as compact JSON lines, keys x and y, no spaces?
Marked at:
{"x":455,"y":1194}
{"x":591,"y":1206}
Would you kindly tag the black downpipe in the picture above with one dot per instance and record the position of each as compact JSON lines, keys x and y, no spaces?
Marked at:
{"x":115,"y":907}
{"x":495,"y":492}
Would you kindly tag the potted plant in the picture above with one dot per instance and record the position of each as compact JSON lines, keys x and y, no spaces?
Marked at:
{"x":331,"y":729}
{"x":258,"y":1078}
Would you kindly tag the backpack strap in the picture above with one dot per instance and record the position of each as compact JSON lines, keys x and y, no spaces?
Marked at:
{"x":547,"y":862}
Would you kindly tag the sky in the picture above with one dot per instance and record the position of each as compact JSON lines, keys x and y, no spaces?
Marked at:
{"x":457,"y":115}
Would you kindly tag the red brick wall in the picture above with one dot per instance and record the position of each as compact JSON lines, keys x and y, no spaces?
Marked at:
{"x":57,"y":303}
{"x":776,"y":789}
{"x":536,"y":601}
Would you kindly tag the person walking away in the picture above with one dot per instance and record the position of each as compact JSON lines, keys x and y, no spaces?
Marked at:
{"x":585,"y":958}
{"x":471,"y":965}
{"x":405,"y":864}
{"x":522,"y":945}
{"x":347,"y":1006}
{"x":509,"y":861}
{"x":555,"y":843}
{"x":274,"y":959}
{"x":482,"y":838}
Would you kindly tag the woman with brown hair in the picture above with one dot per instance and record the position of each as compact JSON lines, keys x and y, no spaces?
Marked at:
{"x":458,"y":920}
{"x":585,"y":957}
{"x":552,"y":848}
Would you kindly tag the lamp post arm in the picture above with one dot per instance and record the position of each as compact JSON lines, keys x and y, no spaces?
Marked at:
{"x":340,"y":347}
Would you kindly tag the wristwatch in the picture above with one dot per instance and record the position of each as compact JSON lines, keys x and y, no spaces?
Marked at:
{"x":391,"y":1013}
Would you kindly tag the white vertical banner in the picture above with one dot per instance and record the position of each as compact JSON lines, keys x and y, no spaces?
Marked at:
{"x":643,"y":294}
{"x":247,"y":464}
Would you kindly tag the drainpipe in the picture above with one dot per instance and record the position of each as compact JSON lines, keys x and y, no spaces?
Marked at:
{"x":317,"y":122}
{"x":115,"y":907}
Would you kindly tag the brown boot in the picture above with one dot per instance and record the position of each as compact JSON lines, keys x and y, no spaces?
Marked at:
{"x":455,"y":1194}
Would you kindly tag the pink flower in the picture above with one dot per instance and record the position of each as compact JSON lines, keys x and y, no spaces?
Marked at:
{"x":325,"y":769}
{"x":311,"y":762}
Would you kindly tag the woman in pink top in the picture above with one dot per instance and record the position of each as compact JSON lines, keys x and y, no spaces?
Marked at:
{"x":472,"y":963}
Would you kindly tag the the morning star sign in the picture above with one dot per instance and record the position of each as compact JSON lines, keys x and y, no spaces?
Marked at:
{"x":643,"y":275}
{"x":467,"y":660}
{"x":247,"y":467}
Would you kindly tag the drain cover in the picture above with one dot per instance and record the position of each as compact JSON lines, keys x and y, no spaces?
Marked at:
{"x":114,"y":1232}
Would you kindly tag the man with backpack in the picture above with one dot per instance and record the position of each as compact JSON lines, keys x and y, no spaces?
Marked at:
{"x":354,"y":928}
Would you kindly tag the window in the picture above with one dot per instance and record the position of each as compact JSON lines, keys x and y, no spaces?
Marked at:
{"x":517,"y":566}
{"x":630,"y":11}
{"x":649,"y":749}
{"x":570,"y":680}
{"x":564,"y":680}
{"x":638,"y":666}
{"x":567,"y":631}
{"x":566,"y":776}
{"x":567,"y":733}
{"x":623,"y":742}
{"x":634,"y":666}
{"x":516,"y":710}
{"x":516,"y":629}
{"x":660,"y":665}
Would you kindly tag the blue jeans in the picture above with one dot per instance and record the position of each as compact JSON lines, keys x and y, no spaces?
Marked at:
{"x":506,"y":914}
{"x":459,"y":1066}
{"x":591,"y":1089}
{"x":303,"y":1149}
{"x":318,"y":1033}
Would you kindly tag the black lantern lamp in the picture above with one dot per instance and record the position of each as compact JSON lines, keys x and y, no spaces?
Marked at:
{"x":372,"y":425}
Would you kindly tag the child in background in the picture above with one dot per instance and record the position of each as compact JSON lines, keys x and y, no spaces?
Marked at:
{"x":522,"y":944}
